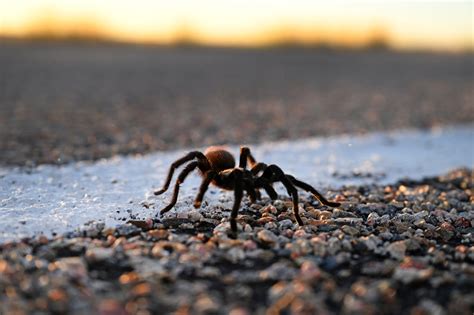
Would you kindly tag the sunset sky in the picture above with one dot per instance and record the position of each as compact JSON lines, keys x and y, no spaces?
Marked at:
{"x":438,"y":25}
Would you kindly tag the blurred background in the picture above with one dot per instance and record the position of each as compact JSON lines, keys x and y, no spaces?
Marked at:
{"x":82,"y":80}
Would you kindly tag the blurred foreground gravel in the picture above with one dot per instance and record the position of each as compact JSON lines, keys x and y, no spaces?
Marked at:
{"x":64,"y":102}
{"x":406,"y":248}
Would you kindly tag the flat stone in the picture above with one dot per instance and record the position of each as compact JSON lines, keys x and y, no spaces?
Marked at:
{"x":412,"y":275}
{"x":397,"y":249}
{"x":267,"y":237}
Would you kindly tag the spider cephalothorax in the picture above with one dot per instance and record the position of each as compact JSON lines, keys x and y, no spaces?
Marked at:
{"x":217,"y":166}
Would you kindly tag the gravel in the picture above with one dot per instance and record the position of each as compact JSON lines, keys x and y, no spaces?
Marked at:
{"x":401,"y":248}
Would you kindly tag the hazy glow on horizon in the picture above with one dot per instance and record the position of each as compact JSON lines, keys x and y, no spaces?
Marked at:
{"x":445,"y":25}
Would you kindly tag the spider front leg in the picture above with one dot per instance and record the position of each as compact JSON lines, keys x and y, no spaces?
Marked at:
{"x":208,"y":177}
{"x":238,"y":193}
{"x":188,"y":157}
{"x":182,"y":176}
{"x":245,"y":156}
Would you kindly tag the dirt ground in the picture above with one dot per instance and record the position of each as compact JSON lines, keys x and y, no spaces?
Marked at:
{"x":64,"y":102}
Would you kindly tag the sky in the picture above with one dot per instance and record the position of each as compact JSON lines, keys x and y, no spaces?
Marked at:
{"x":437,"y":25}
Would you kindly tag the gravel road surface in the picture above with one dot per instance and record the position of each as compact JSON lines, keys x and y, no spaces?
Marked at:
{"x":390,"y":248}
{"x":405,"y":248}
{"x":64,"y":102}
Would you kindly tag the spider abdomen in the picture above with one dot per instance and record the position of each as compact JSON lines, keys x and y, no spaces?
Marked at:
{"x":219,"y":159}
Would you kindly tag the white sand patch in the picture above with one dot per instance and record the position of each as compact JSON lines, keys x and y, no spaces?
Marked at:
{"x":51,"y":199}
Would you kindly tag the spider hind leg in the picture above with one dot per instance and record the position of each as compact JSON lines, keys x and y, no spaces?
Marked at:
{"x":265,"y":184}
{"x":274,"y":173}
{"x":313,"y":191}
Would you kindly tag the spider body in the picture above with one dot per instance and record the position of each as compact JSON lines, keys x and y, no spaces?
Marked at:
{"x":219,"y":159}
{"x":217,"y":166}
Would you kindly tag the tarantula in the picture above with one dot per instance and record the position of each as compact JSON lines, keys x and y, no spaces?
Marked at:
{"x":217,"y":167}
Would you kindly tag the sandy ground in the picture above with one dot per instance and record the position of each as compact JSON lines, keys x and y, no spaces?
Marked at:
{"x":61,"y":102}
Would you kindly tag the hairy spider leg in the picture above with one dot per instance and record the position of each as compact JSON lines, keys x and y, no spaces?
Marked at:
{"x":274,"y":173}
{"x":181,"y":177}
{"x":257,"y":168}
{"x":265,"y":184}
{"x":246,"y":156}
{"x":311,"y":189}
{"x":188,"y":157}
{"x":208,"y":177}
{"x":238,"y":193}
{"x":251,"y":191}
